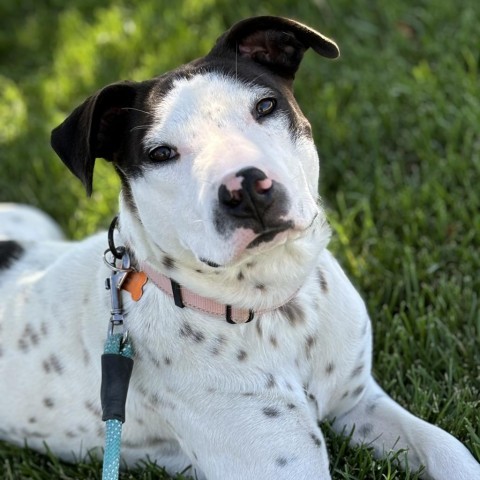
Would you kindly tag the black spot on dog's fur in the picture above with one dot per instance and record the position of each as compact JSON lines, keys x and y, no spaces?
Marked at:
{"x":358,"y":391}
{"x":30,"y":335}
{"x":219,"y":342}
{"x":241,"y":355}
{"x":48,"y":402}
{"x":93,"y":408}
{"x":55,"y":364}
{"x":23,"y":345}
{"x":258,"y":327}
{"x":168,"y":262}
{"x":317,"y":442}
{"x":293,"y":312}
{"x":373,"y":403}
{"x":187,"y":331}
{"x":10,"y":252}
{"x":322,"y":281}
{"x":271,"y":383}
{"x":46,"y":366}
{"x":365,"y":430}
{"x":357,"y":371}
{"x":281,"y":461}
{"x":155,"y":441}
{"x":271,"y":412}
{"x":309,"y":343}
{"x":86,"y":357}
{"x":330,"y":368}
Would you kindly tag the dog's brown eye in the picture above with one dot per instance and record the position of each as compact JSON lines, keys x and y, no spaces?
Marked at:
{"x":161,"y":154}
{"x":265,"y":106}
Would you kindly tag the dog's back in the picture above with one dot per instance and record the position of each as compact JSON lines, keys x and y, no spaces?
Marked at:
{"x":26,"y":224}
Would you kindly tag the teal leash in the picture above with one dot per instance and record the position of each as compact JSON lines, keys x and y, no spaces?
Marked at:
{"x":114,"y":347}
{"x":117,"y":361}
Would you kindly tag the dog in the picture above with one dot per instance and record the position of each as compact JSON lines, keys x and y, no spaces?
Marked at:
{"x":247,"y":333}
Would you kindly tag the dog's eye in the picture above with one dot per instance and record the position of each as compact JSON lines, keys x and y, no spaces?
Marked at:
{"x":162,"y":153}
{"x":265,"y":106}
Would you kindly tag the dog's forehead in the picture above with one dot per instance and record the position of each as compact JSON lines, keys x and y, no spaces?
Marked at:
{"x":199,"y":100}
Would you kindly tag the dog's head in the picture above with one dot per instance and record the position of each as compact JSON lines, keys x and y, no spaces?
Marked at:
{"x":216,"y":160}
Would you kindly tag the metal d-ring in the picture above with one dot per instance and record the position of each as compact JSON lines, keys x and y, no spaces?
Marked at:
{"x":126,"y":267}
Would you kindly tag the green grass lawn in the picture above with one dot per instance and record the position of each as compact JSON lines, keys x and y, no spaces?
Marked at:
{"x":397,"y":123}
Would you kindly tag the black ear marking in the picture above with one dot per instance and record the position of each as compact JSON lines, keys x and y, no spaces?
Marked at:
{"x":95,"y":129}
{"x":275,"y":42}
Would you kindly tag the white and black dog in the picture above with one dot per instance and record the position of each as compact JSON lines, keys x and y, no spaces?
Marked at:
{"x":219,"y":194}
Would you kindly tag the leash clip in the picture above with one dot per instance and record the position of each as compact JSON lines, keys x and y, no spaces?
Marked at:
{"x":114,"y":284}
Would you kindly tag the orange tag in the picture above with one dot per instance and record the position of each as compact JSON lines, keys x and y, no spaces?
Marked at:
{"x":134,"y":284}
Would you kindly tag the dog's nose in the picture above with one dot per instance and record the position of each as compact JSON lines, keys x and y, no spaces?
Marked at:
{"x":247,"y":194}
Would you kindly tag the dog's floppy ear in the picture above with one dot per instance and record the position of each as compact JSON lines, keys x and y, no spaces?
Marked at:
{"x":95,"y":129}
{"x":275,"y":42}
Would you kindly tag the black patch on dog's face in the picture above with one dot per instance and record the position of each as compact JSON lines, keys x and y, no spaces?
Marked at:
{"x":10,"y":252}
{"x":252,"y":74}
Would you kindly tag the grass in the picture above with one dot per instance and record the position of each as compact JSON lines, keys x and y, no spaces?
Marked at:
{"x":396,"y":121}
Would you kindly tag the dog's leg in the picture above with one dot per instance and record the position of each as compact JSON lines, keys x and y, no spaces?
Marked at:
{"x":381,"y":423}
{"x":253,"y":439}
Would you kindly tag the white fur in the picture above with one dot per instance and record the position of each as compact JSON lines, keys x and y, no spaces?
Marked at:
{"x":26,"y":223}
{"x":234,"y":401}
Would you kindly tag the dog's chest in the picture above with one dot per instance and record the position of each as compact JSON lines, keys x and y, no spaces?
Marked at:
{"x":312,"y":350}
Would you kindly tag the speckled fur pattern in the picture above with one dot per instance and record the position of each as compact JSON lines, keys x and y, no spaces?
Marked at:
{"x":236,"y":402}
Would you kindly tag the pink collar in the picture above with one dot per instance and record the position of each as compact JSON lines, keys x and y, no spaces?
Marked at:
{"x":183,"y":297}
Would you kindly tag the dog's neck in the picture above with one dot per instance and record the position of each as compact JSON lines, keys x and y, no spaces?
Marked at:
{"x":259,"y":282}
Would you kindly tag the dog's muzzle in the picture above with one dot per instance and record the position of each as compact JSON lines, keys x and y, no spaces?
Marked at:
{"x":249,"y":199}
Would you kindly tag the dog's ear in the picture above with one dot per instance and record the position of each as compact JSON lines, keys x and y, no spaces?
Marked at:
{"x":275,"y":42}
{"x":93,"y":130}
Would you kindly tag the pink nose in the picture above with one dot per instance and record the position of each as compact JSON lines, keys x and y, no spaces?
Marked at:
{"x":234,"y":184}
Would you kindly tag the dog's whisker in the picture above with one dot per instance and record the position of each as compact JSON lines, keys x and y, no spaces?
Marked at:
{"x":141,"y":127}
{"x":256,"y":78}
{"x":138,"y":110}
{"x":206,"y":182}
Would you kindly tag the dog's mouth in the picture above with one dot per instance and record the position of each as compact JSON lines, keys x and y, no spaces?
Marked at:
{"x":268,"y":238}
{"x":270,"y":233}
